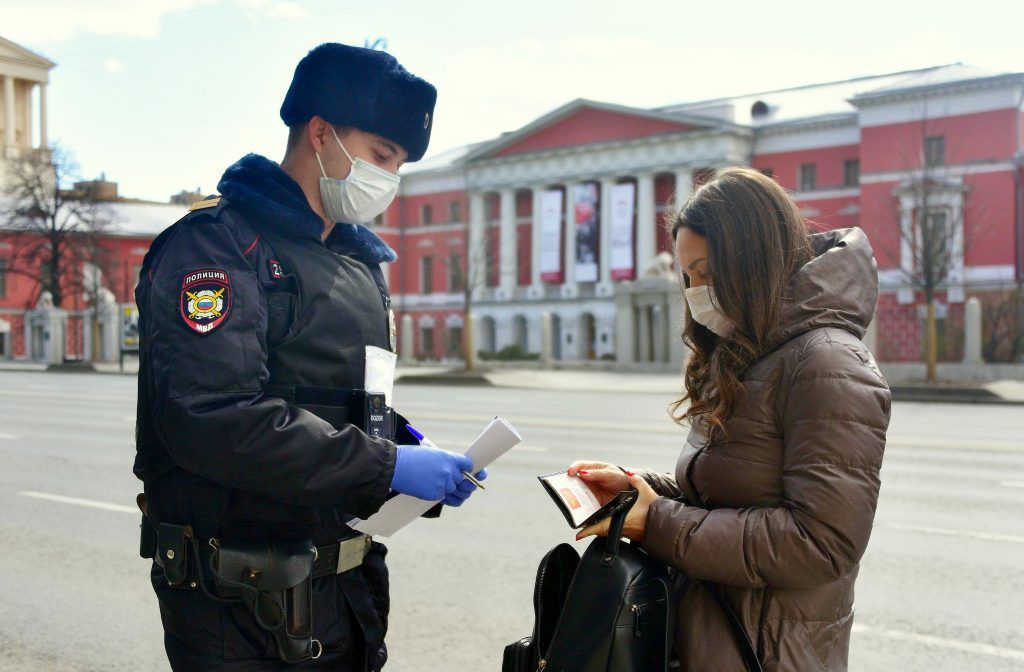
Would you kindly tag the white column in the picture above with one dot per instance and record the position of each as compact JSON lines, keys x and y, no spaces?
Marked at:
{"x":43,"y":140}
{"x":684,"y":187}
{"x":476,"y":255}
{"x":570,"y":285}
{"x":28,"y":115}
{"x":646,"y":240}
{"x":407,"y":340}
{"x":9,"y":111}
{"x":536,"y":286}
{"x":905,"y":294}
{"x":607,"y":184}
{"x":547,"y":349}
{"x":507,"y":247}
{"x":972,"y":331}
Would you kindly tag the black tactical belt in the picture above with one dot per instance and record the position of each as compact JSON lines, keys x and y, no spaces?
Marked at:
{"x":341,"y":556}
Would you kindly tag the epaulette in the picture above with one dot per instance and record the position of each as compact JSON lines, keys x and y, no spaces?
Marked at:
{"x":205,"y":203}
{"x":210,"y":206}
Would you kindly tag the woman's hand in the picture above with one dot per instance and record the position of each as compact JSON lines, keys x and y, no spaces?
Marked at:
{"x":635,"y":526}
{"x":605,"y":480}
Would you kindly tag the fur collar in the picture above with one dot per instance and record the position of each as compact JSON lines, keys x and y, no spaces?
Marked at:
{"x":260,"y":189}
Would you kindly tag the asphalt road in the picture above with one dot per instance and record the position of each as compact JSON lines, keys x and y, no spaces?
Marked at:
{"x":941,"y":587}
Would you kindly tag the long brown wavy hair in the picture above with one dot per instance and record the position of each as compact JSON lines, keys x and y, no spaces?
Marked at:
{"x":756,"y":240}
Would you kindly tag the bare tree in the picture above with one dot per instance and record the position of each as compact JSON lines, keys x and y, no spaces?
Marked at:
{"x":935,"y":236}
{"x":469,"y":263}
{"x":53,"y":232}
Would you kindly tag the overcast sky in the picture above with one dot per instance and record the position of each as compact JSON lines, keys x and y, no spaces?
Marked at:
{"x":162,"y":95}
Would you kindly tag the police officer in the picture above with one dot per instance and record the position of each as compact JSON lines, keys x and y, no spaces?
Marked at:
{"x":256,"y":441}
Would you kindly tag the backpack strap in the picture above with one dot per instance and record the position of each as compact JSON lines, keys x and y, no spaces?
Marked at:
{"x":746,"y":648}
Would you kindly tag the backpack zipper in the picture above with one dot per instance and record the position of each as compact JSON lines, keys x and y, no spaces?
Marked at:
{"x":543,"y":663}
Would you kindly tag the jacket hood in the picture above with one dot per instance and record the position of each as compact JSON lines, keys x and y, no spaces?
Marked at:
{"x":837,"y":288}
{"x":261,"y":190}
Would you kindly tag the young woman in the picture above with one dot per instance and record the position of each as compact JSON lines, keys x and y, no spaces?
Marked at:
{"x":774,"y":493}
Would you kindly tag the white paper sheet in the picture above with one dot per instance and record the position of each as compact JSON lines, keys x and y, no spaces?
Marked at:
{"x":497,"y":439}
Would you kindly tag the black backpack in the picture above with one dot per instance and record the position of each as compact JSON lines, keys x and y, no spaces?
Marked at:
{"x":607,"y":611}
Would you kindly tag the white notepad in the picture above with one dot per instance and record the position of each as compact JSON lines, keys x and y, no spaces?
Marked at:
{"x":497,"y":439}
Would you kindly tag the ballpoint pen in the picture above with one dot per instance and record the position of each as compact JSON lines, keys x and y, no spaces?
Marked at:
{"x":424,"y":441}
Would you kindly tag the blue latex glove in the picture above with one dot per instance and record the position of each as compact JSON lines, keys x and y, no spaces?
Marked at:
{"x":464,"y":490}
{"x":428,"y":473}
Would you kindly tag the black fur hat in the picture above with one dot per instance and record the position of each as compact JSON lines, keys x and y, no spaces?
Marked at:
{"x":364,"y":88}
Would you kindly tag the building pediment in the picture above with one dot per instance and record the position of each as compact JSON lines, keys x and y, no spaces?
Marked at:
{"x":11,"y":52}
{"x":585,"y":122}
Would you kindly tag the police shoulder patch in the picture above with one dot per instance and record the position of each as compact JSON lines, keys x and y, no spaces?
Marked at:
{"x":205,"y":299}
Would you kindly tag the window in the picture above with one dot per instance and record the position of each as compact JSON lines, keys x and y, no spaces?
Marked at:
{"x":851,"y":172}
{"x":455,"y":212}
{"x":935,"y":239}
{"x":808,"y":177}
{"x":426,"y":215}
{"x":935,"y":151}
{"x":454,"y":341}
{"x":427,"y":337}
{"x":427,"y":275}
{"x":456,"y":281}
{"x":3,"y":279}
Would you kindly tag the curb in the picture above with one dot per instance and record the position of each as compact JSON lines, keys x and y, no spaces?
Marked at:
{"x":453,"y":379}
{"x":950,"y":395}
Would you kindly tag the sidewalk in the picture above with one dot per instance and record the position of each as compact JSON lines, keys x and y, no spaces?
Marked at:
{"x":1003,"y":391}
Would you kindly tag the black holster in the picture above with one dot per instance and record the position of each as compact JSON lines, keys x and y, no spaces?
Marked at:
{"x":275,"y":580}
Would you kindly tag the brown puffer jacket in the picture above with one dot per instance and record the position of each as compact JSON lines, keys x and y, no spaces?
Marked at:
{"x":780,"y":510}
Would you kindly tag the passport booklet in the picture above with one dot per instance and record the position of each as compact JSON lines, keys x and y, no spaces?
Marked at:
{"x":578,"y":503}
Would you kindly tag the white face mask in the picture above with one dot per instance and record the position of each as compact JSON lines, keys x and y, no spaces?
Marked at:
{"x":704,"y":308}
{"x":364,"y":194}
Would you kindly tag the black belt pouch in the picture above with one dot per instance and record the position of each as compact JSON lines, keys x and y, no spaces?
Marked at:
{"x":275,"y":580}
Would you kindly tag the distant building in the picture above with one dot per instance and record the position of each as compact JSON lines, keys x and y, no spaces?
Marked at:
{"x":566,"y":215}
{"x":21,"y":72}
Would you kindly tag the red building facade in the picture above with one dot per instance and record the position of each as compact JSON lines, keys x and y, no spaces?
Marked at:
{"x":853,"y":153}
{"x":504,"y":225}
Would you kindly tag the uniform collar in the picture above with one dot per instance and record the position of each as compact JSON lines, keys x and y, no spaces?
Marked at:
{"x":261,"y":190}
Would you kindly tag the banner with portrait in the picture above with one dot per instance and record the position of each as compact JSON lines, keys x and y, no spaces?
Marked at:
{"x":622,"y":231}
{"x":550,"y":221}
{"x":585,"y":211}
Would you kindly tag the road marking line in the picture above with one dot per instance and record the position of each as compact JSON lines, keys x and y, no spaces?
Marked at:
{"x":1012,"y":484}
{"x":7,"y":436}
{"x":959,"y":644}
{"x":638,"y":428}
{"x":967,"y":534}
{"x":120,"y":508}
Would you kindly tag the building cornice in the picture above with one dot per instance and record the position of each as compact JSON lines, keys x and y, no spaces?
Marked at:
{"x":910,"y":93}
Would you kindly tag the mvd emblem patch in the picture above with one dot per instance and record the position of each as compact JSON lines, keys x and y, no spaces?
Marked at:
{"x":205,"y":300}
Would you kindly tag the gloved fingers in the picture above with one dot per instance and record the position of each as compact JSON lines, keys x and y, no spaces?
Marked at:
{"x":462,"y":463}
{"x":467,"y":486}
{"x":455,"y":499}
{"x":481,"y":475}
{"x":450,"y":482}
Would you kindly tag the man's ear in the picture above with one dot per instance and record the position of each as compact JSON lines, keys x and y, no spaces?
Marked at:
{"x":317,"y":131}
